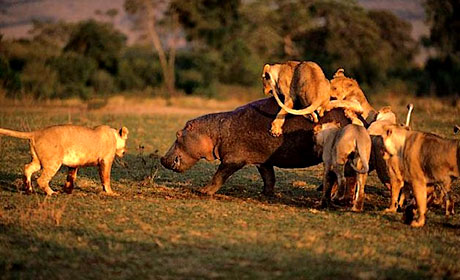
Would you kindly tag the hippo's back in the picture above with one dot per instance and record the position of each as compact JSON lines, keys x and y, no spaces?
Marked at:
{"x":245,"y":135}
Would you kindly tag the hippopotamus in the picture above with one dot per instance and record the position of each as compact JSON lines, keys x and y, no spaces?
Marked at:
{"x":242,"y":137}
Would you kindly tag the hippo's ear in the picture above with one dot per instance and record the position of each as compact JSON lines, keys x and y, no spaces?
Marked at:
{"x":123,"y":132}
{"x":178,"y":133}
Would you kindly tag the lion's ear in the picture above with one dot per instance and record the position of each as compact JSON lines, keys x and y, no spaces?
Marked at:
{"x":339,"y":73}
{"x":267,"y":76}
{"x":123,"y":132}
{"x":389,"y":131}
{"x":456,"y":129}
{"x":385,"y":109}
{"x":266,"y":72}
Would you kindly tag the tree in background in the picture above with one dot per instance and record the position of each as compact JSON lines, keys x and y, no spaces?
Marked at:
{"x":215,"y":29}
{"x":99,"y":41}
{"x":443,"y":69}
{"x":146,"y":13}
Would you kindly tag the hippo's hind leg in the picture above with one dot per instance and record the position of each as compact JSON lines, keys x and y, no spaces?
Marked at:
{"x":268,"y":176}
{"x":224,"y":171}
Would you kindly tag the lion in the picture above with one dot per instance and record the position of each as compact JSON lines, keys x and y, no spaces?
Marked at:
{"x":424,"y":160}
{"x":388,"y":171}
{"x":304,"y":82}
{"x":339,"y":146}
{"x":347,"y":90}
{"x":73,"y":146}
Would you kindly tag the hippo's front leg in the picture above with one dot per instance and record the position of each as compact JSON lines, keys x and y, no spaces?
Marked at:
{"x":224,"y":171}
{"x":268,"y":176}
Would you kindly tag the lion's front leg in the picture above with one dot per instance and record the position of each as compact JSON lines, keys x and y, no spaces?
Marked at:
{"x":277,"y":125}
{"x":352,"y":105}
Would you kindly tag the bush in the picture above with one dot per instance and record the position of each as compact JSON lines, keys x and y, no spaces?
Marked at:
{"x":443,"y":75}
{"x":196,"y":73}
{"x":102,"y":82}
{"x":139,"y":67}
{"x":9,"y":79}
{"x":74,"y":73}
{"x":39,"y":79}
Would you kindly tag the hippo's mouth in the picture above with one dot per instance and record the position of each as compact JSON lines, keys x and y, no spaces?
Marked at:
{"x":175,"y":165}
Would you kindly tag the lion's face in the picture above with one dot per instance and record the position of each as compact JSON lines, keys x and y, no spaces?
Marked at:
{"x":341,"y":87}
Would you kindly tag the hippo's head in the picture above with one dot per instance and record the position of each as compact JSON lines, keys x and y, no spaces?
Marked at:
{"x":191,"y":145}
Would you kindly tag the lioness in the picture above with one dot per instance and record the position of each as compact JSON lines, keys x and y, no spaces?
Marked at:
{"x":345,"y":89}
{"x":424,"y":159}
{"x":304,"y":82}
{"x":296,"y":81}
{"x":387,"y":169}
{"x":338,"y":146}
{"x":73,"y":146}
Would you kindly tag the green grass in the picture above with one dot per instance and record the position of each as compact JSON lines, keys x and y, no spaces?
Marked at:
{"x":158,"y":228}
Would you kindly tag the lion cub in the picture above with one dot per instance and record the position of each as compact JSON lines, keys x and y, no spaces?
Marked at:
{"x":339,"y":146}
{"x":73,"y":146}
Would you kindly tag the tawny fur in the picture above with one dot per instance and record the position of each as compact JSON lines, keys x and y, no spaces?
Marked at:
{"x":296,"y":81}
{"x":73,"y":146}
{"x":340,"y":146}
{"x":304,"y":82}
{"x":345,"y":89}
{"x":423,"y":159}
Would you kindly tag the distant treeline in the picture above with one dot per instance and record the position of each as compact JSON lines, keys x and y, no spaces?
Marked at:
{"x":228,"y":42}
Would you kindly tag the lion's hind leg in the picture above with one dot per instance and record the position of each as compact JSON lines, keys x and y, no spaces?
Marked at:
{"x":30,"y":169}
{"x":49,"y":170}
{"x":420,"y":193}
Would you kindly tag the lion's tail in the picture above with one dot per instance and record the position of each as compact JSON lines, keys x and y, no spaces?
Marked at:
{"x":309,"y":110}
{"x":363,"y":157}
{"x":16,"y":134}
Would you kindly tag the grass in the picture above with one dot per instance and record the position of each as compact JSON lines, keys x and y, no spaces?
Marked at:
{"x":158,"y":228}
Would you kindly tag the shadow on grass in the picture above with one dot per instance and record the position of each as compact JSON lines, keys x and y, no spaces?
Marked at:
{"x":94,"y":255}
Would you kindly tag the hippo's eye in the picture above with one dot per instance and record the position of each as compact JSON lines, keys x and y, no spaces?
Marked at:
{"x":334,"y":88}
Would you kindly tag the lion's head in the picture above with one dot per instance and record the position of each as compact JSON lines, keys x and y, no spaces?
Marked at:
{"x":342,"y":87}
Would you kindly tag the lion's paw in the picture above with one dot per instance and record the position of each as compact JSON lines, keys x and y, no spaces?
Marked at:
{"x":276,"y":131}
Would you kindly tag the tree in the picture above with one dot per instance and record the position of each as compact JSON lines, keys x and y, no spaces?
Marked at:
{"x":443,"y":17}
{"x":148,"y":15}
{"x":397,"y":33}
{"x":219,"y":30}
{"x":443,"y":69}
{"x":56,"y":34}
{"x":99,"y":41}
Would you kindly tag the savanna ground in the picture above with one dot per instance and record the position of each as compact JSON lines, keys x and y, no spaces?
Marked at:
{"x":158,"y":227}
